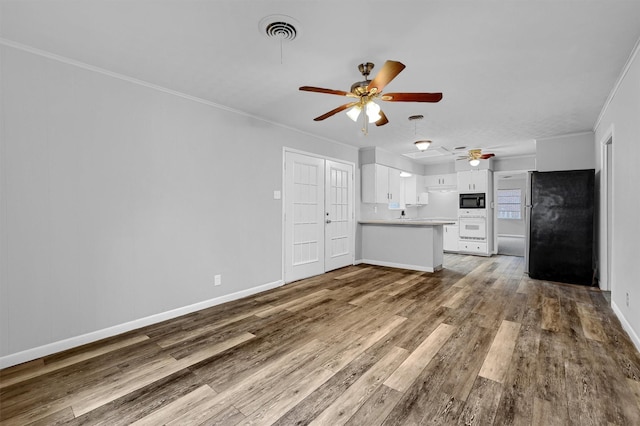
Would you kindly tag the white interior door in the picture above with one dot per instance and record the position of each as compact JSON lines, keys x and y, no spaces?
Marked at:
{"x":304,"y":216}
{"x":339,"y":219}
{"x":319,"y":217}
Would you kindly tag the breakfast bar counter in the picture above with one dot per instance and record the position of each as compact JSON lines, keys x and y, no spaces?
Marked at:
{"x":403,"y":243}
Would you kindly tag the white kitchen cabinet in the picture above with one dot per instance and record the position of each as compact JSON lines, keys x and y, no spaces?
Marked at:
{"x":473,"y":181}
{"x":380,"y":184}
{"x":442,"y":181}
{"x":450,"y":238}
{"x":411,"y":191}
{"x":473,"y":247}
{"x":423,"y":199}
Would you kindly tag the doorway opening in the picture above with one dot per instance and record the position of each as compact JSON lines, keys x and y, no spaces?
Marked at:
{"x":510,"y":225}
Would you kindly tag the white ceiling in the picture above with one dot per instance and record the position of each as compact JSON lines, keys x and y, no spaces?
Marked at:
{"x":510,"y":71}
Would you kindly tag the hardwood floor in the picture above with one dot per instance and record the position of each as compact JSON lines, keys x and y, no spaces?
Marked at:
{"x":476,"y":343}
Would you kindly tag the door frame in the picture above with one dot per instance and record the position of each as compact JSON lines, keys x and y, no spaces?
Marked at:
{"x":283,"y":204}
{"x":606,"y":225}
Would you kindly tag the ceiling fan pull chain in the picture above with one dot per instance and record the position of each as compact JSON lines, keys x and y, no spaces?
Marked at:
{"x":365,"y":121}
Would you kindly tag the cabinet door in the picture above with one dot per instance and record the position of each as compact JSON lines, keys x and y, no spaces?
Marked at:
{"x":450,"y":179}
{"x":465,"y":182}
{"x":382,"y":184}
{"x":450,"y":241}
{"x":480,"y":180}
{"x":409,"y":190}
{"x":393,"y":187}
{"x":473,"y":181}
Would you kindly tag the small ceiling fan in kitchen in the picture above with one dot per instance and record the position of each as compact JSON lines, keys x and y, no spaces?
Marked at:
{"x":475,"y":155}
{"x":367,"y":91}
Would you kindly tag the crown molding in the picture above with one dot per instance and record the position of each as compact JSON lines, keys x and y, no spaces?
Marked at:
{"x":132,"y":80}
{"x":616,"y":86}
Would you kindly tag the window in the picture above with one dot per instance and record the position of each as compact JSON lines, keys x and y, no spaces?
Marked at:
{"x":509,"y":204}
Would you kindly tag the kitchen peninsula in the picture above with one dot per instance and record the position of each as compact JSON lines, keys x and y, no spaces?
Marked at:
{"x":403,"y":243}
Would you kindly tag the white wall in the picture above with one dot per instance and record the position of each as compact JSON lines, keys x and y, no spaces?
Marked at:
{"x":120,"y":202}
{"x":568,"y":152}
{"x":621,"y":115}
{"x":525,"y":162}
{"x":442,"y":205}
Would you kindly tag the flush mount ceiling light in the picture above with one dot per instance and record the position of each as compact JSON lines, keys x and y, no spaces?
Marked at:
{"x":423,"y":144}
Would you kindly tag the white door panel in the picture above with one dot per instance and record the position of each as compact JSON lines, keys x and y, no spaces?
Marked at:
{"x":338,"y":215}
{"x":319,"y":219}
{"x":304,"y":211}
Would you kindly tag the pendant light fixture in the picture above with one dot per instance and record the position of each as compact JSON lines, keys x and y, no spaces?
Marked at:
{"x":421,"y":144}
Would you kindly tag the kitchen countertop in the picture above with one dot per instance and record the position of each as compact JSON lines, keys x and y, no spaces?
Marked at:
{"x":410,"y":222}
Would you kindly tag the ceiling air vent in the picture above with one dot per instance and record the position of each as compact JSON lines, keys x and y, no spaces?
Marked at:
{"x":280,"y":27}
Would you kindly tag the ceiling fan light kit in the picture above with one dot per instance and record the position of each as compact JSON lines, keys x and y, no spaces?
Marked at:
{"x":366,"y":91}
{"x":475,"y":155}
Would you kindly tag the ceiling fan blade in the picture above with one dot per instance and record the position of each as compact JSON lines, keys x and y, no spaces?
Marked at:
{"x":412,"y":97}
{"x":388,"y":72}
{"x":382,"y":120}
{"x":335,"y":111}
{"x":485,"y":156}
{"x":327,"y":91}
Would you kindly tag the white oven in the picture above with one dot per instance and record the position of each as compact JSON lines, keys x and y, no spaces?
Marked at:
{"x":473,"y":228}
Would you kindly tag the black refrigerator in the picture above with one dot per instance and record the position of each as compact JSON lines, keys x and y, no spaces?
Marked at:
{"x":560,"y":222}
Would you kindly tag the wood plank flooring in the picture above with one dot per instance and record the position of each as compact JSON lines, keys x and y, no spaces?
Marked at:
{"x":476,"y":343}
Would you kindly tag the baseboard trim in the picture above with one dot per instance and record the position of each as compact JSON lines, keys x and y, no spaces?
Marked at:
{"x":625,"y":324}
{"x":401,"y":265}
{"x":72,"y":342}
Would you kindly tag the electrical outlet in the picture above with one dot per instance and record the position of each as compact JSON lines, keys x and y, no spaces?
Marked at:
{"x":627,"y":299}
{"x":217,"y":280}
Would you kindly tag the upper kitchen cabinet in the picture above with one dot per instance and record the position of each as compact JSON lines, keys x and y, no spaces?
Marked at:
{"x":380,"y":184}
{"x":473,"y":181}
{"x":448,"y":181}
{"x":412,"y":192}
{"x":384,"y":185}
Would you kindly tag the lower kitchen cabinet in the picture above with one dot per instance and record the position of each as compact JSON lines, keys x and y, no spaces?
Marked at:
{"x":450,"y":239}
{"x":473,"y":247}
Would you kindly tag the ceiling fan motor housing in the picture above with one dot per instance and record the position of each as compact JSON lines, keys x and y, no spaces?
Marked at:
{"x":365,"y":69}
{"x":360,"y":87}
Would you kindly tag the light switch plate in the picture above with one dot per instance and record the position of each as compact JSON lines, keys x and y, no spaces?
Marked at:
{"x":277,"y":195}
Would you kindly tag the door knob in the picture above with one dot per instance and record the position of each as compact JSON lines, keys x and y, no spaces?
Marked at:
{"x":328,"y":220}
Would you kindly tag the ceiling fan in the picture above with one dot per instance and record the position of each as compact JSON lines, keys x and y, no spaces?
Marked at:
{"x":366,"y":91}
{"x":475,"y":155}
